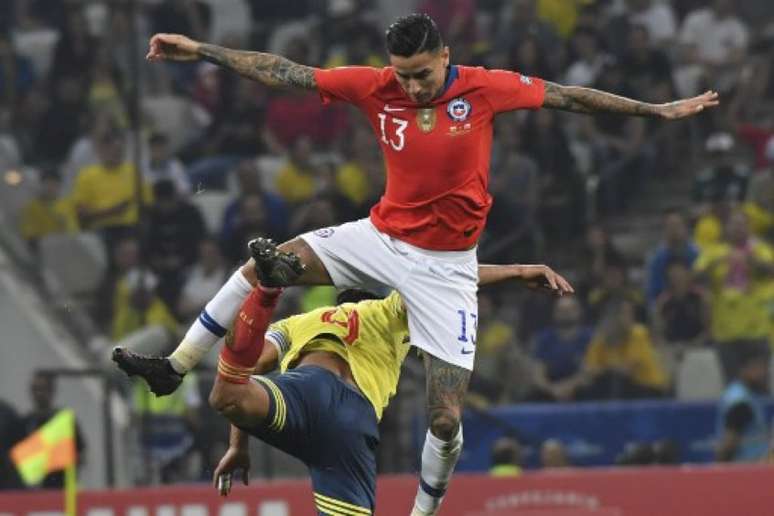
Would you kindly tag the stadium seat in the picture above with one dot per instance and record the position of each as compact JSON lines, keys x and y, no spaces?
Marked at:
{"x":699,"y":375}
{"x":75,"y":263}
{"x":212,"y":205}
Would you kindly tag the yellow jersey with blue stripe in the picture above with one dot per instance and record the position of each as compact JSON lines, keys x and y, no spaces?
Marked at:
{"x":371,"y":336}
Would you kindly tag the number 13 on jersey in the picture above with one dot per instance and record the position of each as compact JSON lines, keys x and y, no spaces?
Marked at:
{"x":400,"y":131}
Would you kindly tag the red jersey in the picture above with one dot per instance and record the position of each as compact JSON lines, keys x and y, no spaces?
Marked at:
{"x":437,"y":156}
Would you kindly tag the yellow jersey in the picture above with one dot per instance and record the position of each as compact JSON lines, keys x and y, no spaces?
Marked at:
{"x":741,"y":307}
{"x":40,"y":218}
{"x":371,"y":336}
{"x":636,"y":353}
{"x":98,"y":188}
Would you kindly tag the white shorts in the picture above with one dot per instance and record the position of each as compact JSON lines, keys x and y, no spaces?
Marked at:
{"x":438,"y":287}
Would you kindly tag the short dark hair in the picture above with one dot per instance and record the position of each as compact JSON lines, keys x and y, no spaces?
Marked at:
{"x":353,"y":295}
{"x":506,"y":450}
{"x":413,"y":34}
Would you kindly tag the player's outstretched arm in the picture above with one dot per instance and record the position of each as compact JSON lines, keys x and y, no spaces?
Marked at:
{"x":588,"y":100}
{"x":533,"y":276}
{"x":270,"y":69}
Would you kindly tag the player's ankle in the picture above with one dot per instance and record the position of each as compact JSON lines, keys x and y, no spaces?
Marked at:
{"x":175,"y":367}
{"x":268,"y":296}
{"x":231,"y":372}
{"x":248,"y":271}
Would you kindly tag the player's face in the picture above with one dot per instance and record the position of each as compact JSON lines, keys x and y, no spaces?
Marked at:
{"x":422,"y":75}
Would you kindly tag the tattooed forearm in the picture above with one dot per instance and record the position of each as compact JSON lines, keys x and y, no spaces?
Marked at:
{"x":588,"y":100}
{"x":269,"y":69}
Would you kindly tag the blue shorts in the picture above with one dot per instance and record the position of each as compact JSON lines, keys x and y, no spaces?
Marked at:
{"x":331,"y":427}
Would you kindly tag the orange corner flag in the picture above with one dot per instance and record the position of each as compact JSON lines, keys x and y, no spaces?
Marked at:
{"x":50,"y":448}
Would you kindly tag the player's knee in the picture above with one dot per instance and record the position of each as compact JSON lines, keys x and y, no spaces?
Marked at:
{"x":224,"y":398}
{"x":298,"y":247}
{"x":444,"y":424}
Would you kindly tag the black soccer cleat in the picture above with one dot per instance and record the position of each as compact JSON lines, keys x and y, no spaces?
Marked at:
{"x":156,"y":371}
{"x":274,"y":268}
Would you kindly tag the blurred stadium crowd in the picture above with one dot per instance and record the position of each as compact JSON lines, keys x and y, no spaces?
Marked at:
{"x":665,"y":230}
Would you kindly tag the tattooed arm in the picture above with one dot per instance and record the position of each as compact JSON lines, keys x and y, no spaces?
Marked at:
{"x":270,"y":69}
{"x":588,"y":100}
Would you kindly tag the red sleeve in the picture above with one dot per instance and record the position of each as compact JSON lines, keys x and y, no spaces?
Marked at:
{"x":507,"y":91}
{"x":346,"y":83}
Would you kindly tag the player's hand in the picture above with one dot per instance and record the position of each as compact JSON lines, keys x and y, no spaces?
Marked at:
{"x":544,"y":277}
{"x":234,"y":460}
{"x":689,"y":107}
{"x":174,"y":47}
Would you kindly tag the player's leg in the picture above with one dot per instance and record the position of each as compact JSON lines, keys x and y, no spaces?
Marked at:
{"x":244,"y":404}
{"x":266,"y":266}
{"x":233,"y":395}
{"x":272,"y":267}
{"x":447,"y":385}
{"x":440,"y":296}
{"x":343,"y":467}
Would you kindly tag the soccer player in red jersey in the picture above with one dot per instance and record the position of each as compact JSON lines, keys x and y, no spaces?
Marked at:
{"x":433,"y":121}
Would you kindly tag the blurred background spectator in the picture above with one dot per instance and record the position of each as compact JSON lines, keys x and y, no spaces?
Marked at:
{"x":621,"y":361}
{"x":43,"y":393}
{"x":559,"y":351}
{"x":553,"y":455}
{"x":506,"y":458}
{"x":11,"y":432}
{"x":742,"y":427}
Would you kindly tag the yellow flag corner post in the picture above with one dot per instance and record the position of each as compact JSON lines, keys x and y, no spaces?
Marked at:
{"x":50,"y":448}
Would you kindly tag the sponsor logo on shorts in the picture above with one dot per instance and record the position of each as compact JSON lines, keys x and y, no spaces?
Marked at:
{"x":458,"y":109}
{"x":324,"y":232}
{"x":467,"y":351}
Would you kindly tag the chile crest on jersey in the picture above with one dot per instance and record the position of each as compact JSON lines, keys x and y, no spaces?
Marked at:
{"x":458,"y":109}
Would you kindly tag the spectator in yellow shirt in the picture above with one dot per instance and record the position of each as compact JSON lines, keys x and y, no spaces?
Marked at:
{"x":562,"y":14}
{"x":47,"y":213}
{"x":136,"y":305}
{"x":361,"y":178}
{"x":296,"y":181}
{"x":621,"y":361}
{"x":104,"y":194}
{"x":759,"y":206}
{"x":739,"y":272}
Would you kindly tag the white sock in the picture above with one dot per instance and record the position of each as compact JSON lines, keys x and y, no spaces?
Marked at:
{"x":438,"y":460}
{"x":212,"y":323}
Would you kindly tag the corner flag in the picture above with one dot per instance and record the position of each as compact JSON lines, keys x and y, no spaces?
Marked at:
{"x":50,"y":448}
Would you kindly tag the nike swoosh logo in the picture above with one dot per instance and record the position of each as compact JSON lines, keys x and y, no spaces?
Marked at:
{"x":391,"y":109}
{"x":467,"y":351}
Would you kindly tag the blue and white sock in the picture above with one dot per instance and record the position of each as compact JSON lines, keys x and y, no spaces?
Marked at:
{"x":438,"y":460}
{"x":212,"y":324}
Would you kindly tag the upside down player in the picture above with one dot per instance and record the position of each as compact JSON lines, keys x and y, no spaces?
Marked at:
{"x":434,"y":124}
{"x":339,"y":366}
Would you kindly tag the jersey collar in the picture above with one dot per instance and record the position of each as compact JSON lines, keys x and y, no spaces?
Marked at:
{"x":453,"y":74}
